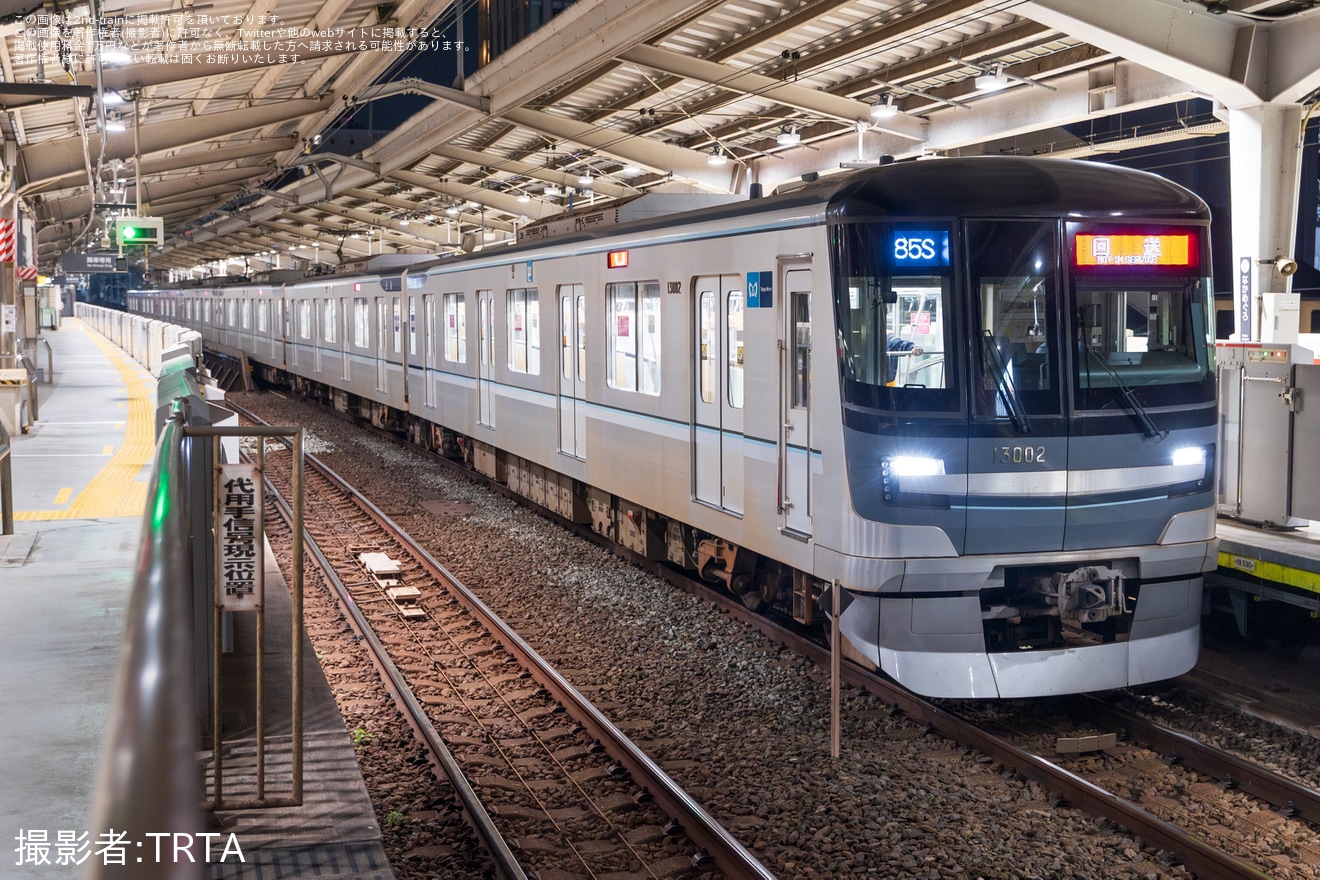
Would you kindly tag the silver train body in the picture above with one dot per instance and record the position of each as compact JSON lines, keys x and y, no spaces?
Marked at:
{"x":975,"y":394}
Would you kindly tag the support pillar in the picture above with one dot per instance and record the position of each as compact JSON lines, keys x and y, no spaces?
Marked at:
{"x":1264,"y":145}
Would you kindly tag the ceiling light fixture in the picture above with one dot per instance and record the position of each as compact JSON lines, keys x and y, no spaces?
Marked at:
{"x":452,"y":210}
{"x":585,"y":181}
{"x":717,"y":158}
{"x":992,"y":80}
{"x":630,"y":171}
{"x":551,"y":191}
{"x":884,"y":110}
{"x":115,"y":125}
{"x":789,"y":137}
{"x":524,"y":197}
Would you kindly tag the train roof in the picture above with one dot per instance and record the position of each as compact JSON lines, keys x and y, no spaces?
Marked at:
{"x":980,"y":186}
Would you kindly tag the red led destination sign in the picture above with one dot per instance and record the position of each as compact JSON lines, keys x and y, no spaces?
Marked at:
{"x":1136,"y":250}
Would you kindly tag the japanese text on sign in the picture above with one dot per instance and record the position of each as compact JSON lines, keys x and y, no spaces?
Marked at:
{"x":239,"y":538}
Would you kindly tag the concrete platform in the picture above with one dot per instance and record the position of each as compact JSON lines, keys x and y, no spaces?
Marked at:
{"x":80,"y":481}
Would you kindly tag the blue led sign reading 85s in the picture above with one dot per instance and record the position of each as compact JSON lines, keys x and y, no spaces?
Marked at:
{"x":917,"y":247}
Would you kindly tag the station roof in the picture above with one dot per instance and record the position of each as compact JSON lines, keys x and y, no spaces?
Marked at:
{"x":243,"y":118}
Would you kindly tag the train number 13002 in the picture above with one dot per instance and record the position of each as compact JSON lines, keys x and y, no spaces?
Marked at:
{"x":1019,"y":454}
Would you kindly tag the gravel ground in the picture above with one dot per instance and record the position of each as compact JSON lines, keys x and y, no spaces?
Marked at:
{"x":739,"y":722}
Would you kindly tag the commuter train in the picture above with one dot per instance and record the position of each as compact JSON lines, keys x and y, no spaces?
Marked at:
{"x":977,"y":395}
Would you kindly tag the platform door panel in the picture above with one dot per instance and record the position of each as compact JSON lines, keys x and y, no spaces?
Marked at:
{"x":572,"y":371}
{"x":486,"y":360}
{"x":795,"y":402}
{"x":717,"y":442}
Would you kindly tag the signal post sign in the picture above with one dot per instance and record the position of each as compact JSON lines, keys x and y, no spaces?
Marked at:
{"x":239,"y":556}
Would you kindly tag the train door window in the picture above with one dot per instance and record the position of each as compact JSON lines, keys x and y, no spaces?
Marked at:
{"x":361,"y":322}
{"x":634,"y":336}
{"x":567,"y":331}
{"x":430,"y":345}
{"x":707,"y":316}
{"x":328,"y":319}
{"x":1013,"y":273}
{"x":263,"y":316}
{"x":524,"y":331}
{"x":895,"y":316}
{"x":486,"y":343}
{"x":412,"y":326}
{"x":398,"y":325}
{"x":801,"y":311}
{"x":305,"y":319}
{"x":581,"y":335}
{"x":455,"y":328}
{"x":734,"y":377}
{"x":246,"y":313}
{"x":229,"y":313}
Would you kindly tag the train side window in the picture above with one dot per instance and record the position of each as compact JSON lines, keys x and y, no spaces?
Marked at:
{"x":305,"y":319}
{"x":734,"y":374}
{"x":246,"y":312}
{"x":263,"y":316}
{"x":229,"y":313}
{"x":634,"y":336}
{"x":524,"y":331}
{"x":455,"y":328}
{"x":707,"y":316}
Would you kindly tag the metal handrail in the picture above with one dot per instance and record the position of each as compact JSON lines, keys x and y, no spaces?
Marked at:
{"x":148,"y":784}
{"x":6,"y":484}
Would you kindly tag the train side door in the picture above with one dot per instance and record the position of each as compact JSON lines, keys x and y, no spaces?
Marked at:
{"x":486,"y":360}
{"x":717,"y":440}
{"x":795,"y":402}
{"x":325,"y":329}
{"x":572,"y":370}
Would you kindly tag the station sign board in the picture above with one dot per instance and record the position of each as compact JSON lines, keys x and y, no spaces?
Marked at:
{"x":86,"y":264}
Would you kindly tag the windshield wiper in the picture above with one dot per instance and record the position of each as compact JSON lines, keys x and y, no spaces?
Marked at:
{"x":1004,"y":382}
{"x":1128,"y":397}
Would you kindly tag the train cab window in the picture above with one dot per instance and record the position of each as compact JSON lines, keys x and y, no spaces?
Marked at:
{"x":1013,"y":271}
{"x":455,"y":331}
{"x":361,"y":322}
{"x":524,"y":314}
{"x":734,"y":376}
{"x":1143,"y":331}
{"x":893,"y":305}
{"x":634,"y":336}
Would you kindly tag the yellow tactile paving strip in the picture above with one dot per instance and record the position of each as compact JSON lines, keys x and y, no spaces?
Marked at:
{"x":116,"y":490}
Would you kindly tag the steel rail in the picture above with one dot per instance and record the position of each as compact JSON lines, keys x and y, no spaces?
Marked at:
{"x":475,"y":812}
{"x":1259,"y":782}
{"x":727,"y":853}
{"x":1206,"y":862}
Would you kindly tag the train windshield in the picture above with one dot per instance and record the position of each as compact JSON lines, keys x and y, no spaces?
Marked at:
{"x":1141,"y":319}
{"x":894,"y":311}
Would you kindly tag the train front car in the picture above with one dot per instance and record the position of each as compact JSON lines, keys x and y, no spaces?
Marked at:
{"x":1028,"y":401}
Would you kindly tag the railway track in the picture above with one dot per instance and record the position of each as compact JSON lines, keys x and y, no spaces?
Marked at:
{"x":1114,"y":797}
{"x":553,"y":788}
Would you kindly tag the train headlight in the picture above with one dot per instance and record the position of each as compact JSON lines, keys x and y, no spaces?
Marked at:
{"x":1193,"y":469}
{"x":1189,"y":455}
{"x":915,"y":466}
{"x":902,"y":479}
